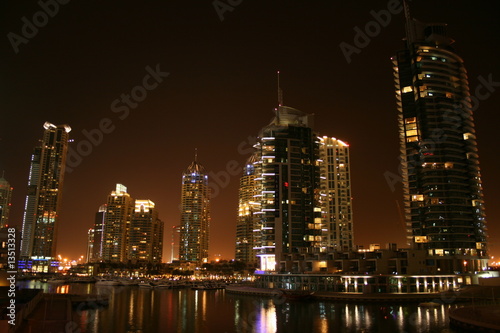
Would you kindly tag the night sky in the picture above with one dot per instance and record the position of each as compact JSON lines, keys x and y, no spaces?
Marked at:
{"x":219,"y":91}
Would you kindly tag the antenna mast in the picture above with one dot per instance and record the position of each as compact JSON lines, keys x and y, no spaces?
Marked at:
{"x":280,"y":92}
{"x":410,"y":36}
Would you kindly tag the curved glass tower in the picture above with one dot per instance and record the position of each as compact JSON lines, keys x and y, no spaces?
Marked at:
{"x":43,"y":201}
{"x":444,"y":207}
{"x":248,"y":205}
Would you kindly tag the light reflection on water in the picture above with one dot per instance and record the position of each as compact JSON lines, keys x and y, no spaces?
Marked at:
{"x":137,"y":310}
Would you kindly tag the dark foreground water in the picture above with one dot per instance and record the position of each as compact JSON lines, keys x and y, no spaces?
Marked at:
{"x":138,"y":310}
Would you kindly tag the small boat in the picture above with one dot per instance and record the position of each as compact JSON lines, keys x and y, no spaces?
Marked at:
{"x":83,"y":279}
{"x":146,"y":285}
{"x":107,"y":282}
{"x":429,"y":304}
{"x":128,"y":282}
{"x":56,"y":280}
{"x":198,"y":287}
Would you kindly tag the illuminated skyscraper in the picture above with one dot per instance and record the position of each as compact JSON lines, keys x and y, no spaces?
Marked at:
{"x":195,"y":214}
{"x":443,"y":198}
{"x":145,"y":236}
{"x":116,"y":224}
{"x":43,"y":202}
{"x":335,"y":197}
{"x":5,"y":202}
{"x":96,"y":236}
{"x":288,"y":174}
{"x":248,"y":205}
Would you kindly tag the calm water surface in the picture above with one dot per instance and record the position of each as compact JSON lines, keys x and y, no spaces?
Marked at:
{"x":139,"y":310}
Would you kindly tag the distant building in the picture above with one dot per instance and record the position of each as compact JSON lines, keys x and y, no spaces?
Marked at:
{"x":145,"y":235}
{"x":443,"y":196}
{"x":288,"y":174}
{"x":5,"y":201}
{"x":248,"y":205}
{"x":43,"y":202}
{"x":335,"y":184}
{"x":96,"y":236}
{"x":117,"y":220}
{"x":195,"y":214}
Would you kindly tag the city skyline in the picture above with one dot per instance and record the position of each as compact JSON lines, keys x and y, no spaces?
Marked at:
{"x":233,"y":81}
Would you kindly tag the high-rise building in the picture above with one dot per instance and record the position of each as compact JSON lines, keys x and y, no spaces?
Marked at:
{"x":195,"y":214}
{"x":96,"y":236}
{"x":5,"y":201}
{"x":443,"y":199}
{"x":335,"y":182}
{"x":288,"y":174}
{"x":248,"y":205}
{"x":116,"y":224}
{"x":145,"y":235}
{"x":43,"y":202}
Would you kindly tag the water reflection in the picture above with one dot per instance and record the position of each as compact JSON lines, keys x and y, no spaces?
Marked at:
{"x":134,"y":310}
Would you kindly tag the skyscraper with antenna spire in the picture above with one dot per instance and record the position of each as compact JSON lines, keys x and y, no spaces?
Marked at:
{"x":195,"y":213}
{"x":443,"y":198}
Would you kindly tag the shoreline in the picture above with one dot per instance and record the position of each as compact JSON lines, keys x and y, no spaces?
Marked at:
{"x":440,"y":297}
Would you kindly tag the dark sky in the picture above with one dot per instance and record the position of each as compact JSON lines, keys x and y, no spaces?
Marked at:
{"x":220,"y":91}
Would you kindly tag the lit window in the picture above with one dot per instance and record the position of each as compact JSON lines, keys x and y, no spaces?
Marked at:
{"x":411,"y":132}
{"x":411,"y":126}
{"x":417,"y":197}
{"x":407,"y":89}
{"x":468,"y":136}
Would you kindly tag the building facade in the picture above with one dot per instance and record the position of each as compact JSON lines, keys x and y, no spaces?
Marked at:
{"x":195,"y":214}
{"x":288,"y":175}
{"x":119,"y":209}
{"x":248,"y":205}
{"x":145,"y":236}
{"x":335,"y":183}
{"x":43,"y":202}
{"x":5,"y":202}
{"x":443,"y":199}
{"x":96,"y":236}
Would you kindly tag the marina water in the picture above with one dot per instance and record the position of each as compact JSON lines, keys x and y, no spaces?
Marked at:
{"x":139,"y":310}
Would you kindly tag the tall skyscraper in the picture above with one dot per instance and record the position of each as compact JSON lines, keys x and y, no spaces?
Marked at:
{"x":443,"y":199}
{"x":43,"y":202}
{"x":145,"y":236}
{"x":195,"y":214}
{"x":5,"y":201}
{"x":288,"y":174}
{"x":248,"y":205}
{"x":335,"y":182}
{"x":96,"y":236}
{"x":116,"y":224}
